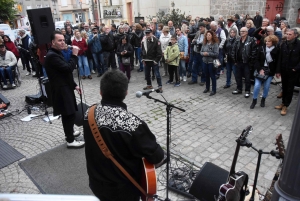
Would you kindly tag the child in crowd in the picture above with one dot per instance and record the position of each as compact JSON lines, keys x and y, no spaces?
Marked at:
{"x":171,"y":55}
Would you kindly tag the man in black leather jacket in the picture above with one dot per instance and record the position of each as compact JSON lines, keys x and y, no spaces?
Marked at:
{"x":288,"y":67}
{"x":243,"y":54}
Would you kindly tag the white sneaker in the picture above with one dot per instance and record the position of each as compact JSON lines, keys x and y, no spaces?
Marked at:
{"x":75,"y":144}
{"x":13,"y":85}
{"x":28,"y":73}
{"x":93,"y":72}
{"x":184,"y":78}
{"x":4,"y":86}
{"x":33,"y":73}
{"x":76,"y":133}
{"x":180,"y":78}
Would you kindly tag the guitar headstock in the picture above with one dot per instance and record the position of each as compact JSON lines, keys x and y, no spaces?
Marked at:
{"x":280,"y":145}
{"x":245,"y":133}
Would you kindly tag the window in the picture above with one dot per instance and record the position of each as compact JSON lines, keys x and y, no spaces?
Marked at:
{"x":64,"y":3}
{"x":39,"y":6}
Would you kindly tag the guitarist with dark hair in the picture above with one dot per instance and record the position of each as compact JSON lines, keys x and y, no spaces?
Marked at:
{"x":128,"y":140}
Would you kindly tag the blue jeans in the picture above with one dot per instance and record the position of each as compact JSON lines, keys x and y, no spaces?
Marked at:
{"x":182,"y":69}
{"x":257,"y":85}
{"x":197,"y":67}
{"x":191,"y":60}
{"x":84,"y":69}
{"x":155,"y":67}
{"x":138,"y":52}
{"x":210,"y":73}
{"x":230,"y":67}
{"x":44,"y":71}
{"x":8,"y":70}
{"x":99,"y":62}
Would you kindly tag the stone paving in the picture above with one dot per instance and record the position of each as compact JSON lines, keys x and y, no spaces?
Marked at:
{"x":206,"y":132}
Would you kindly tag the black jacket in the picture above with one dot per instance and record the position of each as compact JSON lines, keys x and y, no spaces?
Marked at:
{"x":228,"y":47}
{"x":128,"y":138}
{"x":140,"y":35}
{"x":62,"y":82}
{"x":134,"y":39}
{"x":248,"y":53}
{"x":289,"y":58}
{"x":68,"y":39}
{"x":151,"y":50}
{"x":117,"y":39}
{"x":107,"y":42}
{"x":128,"y":47}
{"x":261,"y":57}
{"x":257,"y":20}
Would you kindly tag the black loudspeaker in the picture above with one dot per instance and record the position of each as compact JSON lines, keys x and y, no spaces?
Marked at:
{"x":79,"y":115}
{"x":4,"y":100}
{"x":137,"y":19}
{"x":208,"y":181}
{"x":41,"y":23}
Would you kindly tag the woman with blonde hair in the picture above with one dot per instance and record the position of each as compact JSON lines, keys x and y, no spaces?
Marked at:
{"x":251,"y":28}
{"x":265,"y":65}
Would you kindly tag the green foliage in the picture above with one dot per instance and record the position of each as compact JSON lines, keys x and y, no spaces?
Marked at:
{"x":173,"y":15}
{"x":7,"y":10}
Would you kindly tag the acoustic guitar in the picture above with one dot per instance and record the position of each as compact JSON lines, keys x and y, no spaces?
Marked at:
{"x":280,"y":155}
{"x":231,"y":191}
{"x":148,"y":180}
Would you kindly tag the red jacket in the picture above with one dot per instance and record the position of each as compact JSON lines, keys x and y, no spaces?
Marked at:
{"x":11,"y":47}
{"x":81,"y":44}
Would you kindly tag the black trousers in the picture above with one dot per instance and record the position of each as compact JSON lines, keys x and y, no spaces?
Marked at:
{"x":243,"y":70}
{"x":68,"y":125}
{"x":173,"y":70}
{"x":112,"y":60}
{"x":289,"y":79}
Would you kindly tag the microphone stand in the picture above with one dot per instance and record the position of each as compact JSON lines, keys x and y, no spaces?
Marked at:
{"x":79,"y":84}
{"x":169,"y":108}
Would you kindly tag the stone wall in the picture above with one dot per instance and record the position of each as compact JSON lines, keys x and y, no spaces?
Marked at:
{"x":231,"y":7}
{"x":290,"y":11}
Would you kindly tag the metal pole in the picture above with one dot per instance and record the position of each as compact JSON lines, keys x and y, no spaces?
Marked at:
{"x":288,"y":185}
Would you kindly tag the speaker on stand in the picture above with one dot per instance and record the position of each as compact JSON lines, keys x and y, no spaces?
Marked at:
{"x":208,"y":181}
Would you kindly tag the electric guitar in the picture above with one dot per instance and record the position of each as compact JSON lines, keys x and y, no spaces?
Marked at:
{"x":231,"y":191}
{"x":281,"y":151}
{"x":148,"y":180}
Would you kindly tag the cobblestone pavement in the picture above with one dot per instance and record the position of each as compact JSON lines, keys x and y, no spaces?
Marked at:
{"x":206,"y":132}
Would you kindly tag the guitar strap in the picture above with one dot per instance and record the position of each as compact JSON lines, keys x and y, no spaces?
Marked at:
{"x":102,"y":145}
{"x":245,"y":184}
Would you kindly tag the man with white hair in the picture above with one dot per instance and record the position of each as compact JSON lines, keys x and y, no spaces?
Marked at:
{"x":221,"y":18}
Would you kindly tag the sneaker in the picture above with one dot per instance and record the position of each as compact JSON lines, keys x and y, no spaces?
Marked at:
{"x":236,"y":91}
{"x":221,"y":72}
{"x":247,"y":94}
{"x":159,"y":90}
{"x":147,"y":88}
{"x":184,"y":78}
{"x":180,"y":78}
{"x":4,"y":86}
{"x":28,"y":73}
{"x":283,"y":111}
{"x":76,"y":133}
{"x":192,"y":82}
{"x":177,"y":84}
{"x":13,"y":85}
{"x":93,"y":72}
{"x":169,"y":82}
{"x":75,"y":144}
{"x":83,"y":77}
{"x":226,"y":86}
{"x":33,"y":73}
{"x":90,"y":77}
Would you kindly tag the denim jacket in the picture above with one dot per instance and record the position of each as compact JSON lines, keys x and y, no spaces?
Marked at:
{"x":183,"y":44}
{"x":95,"y":44}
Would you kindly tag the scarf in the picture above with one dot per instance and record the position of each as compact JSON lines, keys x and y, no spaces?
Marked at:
{"x":80,"y":39}
{"x":268,"y":55}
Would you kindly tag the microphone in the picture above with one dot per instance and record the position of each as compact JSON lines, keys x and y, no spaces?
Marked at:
{"x":139,"y":94}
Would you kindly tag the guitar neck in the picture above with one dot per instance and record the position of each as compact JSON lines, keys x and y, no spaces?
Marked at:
{"x":232,"y":169}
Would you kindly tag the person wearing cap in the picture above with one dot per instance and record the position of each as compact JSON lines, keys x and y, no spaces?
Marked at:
{"x":231,"y":24}
{"x":165,"y":39}
{"x":8,"y":61}
{"x":95,"y":47}
{"x":197,"y":67}
{"x":151,"y":55}
{"x":257,"y":20}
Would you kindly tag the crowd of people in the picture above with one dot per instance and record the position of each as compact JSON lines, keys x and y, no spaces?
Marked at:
{"x":186,"y":51}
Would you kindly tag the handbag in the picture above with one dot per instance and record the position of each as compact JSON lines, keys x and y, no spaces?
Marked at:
{"x":216,"y":63}
{"x":259,"y":76}
{"x":126,"y":60}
